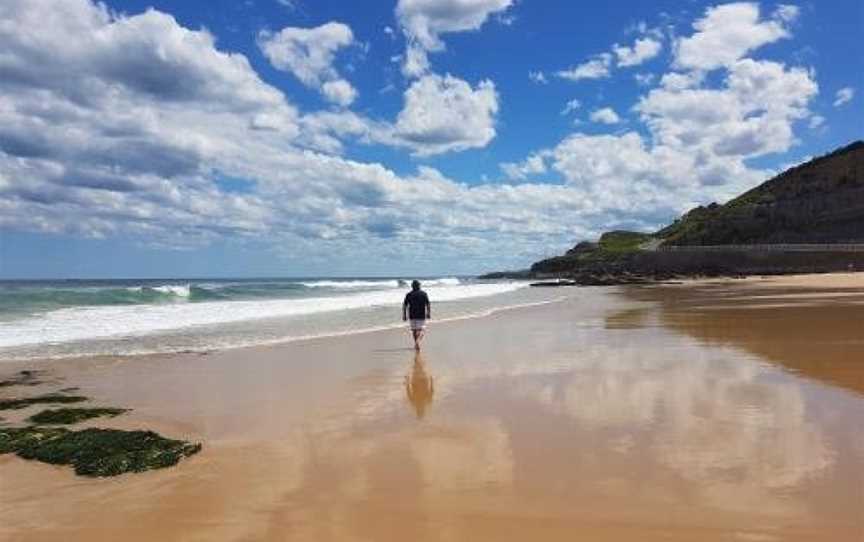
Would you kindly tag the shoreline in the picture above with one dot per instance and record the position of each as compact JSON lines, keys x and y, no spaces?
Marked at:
{"x":277,"y":342}
{"x":616,"y":411}
{"x":812,"y":280}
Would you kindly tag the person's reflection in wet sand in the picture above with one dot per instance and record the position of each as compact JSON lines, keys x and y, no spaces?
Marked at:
{"x":419,"y":386}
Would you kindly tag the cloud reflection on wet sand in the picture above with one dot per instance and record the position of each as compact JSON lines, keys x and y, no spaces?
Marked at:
{"x":610,"y":416}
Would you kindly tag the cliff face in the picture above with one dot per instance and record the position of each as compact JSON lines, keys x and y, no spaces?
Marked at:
{"x":821,"y":201}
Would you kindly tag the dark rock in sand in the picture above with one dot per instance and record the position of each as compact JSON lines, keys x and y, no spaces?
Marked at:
{"x":96,"y":452}
{"x":13,"y":439}
{"x":66,"y":416}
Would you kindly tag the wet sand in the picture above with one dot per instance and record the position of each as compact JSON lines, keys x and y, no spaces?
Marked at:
{"x":716,"y":410}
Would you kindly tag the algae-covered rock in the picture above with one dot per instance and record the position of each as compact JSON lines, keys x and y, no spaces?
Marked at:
{"x":67,"y":416}
{"x":109,"y":452}
{"x":13,"y":439}
{"x":16,"y":404}
{"x":96,"y":452}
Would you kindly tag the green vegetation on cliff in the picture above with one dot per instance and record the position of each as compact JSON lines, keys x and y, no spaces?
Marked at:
{"x":611,"y":249}
{"x":820,"y":201}
{"x":620,"y":241}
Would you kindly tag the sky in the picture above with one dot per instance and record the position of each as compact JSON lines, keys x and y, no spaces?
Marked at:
{"x":223,"y":138}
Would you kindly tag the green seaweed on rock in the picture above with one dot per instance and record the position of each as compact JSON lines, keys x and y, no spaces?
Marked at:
{"x":96,"y":452}
{"x":13,"y":439}
{"x":57,"y":416}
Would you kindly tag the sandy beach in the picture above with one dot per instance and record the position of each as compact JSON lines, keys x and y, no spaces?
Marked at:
{"x":727,"y":410}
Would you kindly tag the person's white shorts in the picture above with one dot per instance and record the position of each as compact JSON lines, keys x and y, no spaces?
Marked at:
{"x":417,"y":325}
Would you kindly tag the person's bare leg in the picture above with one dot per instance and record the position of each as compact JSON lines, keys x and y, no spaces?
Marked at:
{"x":416,"y":333}
{"x":420,"y":335}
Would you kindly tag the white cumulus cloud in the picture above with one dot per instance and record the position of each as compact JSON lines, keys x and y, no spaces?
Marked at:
{"x":752,"y":114}
{"x":339,"y":92}
{"x":727,"y":33}
{"x":844,"y":95}
{"x":596,"y":68}
{"x":444,"y":113}
{"x":641,"y":51}
{"x":532,"y":165}
{"x":605,"y":115}
{"x":123,"y":125}
{"x":308,"y":53}
{"x":701,"y":132}
{"x":423,"y":22}
{"x":600,"y":66}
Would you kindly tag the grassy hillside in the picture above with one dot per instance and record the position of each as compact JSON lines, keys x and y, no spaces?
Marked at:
{"x":611,"y":249}
{"x":821,"y":201}
{"x":623,"y":241}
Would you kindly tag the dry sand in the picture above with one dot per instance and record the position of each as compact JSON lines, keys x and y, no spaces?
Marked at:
{"x":715,"y":410}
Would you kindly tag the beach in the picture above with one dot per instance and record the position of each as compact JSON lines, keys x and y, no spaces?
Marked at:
{"x":713,"y":410}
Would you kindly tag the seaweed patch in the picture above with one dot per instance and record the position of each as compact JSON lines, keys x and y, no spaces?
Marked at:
{"x":96,"y":452}
{"x":66,"y":416}
{"x":13,"y":439}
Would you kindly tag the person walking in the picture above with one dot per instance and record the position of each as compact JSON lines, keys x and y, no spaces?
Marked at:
{"x":416,"y":309}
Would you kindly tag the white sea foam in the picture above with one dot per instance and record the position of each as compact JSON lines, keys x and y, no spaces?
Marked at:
{"x":351,"y":284}
{"x":450,"y":281}
{"x":178,"y":290}
{"x":83,"y":323}
{"x":142,"y":348}
{"x":384,"y":283}
{"x":396,"y":325}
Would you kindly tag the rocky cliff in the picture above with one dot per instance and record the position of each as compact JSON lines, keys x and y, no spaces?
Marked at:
{"x":820,"y":201}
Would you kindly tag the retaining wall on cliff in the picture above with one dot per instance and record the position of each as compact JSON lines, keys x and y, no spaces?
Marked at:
{"x":712,"y":262}
{"x":748,"y":262}
{"x":787,"y":247}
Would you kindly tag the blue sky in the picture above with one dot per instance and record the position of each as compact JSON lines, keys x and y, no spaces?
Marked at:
{"x":267,"y":137}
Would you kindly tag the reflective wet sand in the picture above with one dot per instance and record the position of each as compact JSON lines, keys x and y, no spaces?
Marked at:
{"x":717,"y":411}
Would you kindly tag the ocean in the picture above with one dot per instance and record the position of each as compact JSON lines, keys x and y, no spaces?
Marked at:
{"x":73,"y":318}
